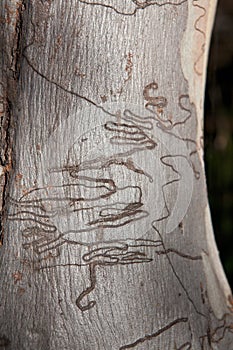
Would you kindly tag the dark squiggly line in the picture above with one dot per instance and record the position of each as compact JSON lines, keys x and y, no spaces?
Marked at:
{"x":115,"y":255}
{"x":145,"y":122}
{"x":154,"y":335}
{"x":182,"y":107}
{"x":187,"y":140}
{"x":139,"y":6}
{"x":168,"y":129}
{"x":211,"y":334}
{"x":160,"y":103}
{"x":158,"y":116}
{"x":91,"y":304}
{"x":146,"y":243}
{"x":169,"y":183}
{"x":129,"y":135}
{"x":108,"y":256}
{"x":113,"y":218}
{"x":183,"y":255}
{"x":196,"y":172}
{"x":157,"y":101}
{"x":106,"y":163}
{"x":196,"y":26}
{"x":104,"y":182}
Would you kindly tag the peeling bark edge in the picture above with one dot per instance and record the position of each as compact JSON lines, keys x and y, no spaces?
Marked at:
{"x":6,"y":164}
{"x":11,"y":53}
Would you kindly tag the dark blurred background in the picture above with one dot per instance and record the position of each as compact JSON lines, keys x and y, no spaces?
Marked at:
{"x":219,"y":132}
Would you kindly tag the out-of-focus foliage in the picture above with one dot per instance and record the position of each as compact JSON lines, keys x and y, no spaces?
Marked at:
{"x":219,"y":132}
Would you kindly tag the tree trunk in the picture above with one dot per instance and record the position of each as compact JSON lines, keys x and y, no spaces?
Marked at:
{"x":107,"y":234}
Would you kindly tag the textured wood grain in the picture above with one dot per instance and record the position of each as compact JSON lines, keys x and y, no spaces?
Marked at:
{"x":108,"y":241}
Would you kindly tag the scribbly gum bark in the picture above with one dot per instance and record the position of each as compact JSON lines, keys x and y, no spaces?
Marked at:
{"x":108,"y":241}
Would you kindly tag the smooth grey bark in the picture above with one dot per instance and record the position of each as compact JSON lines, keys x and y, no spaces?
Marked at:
{"x":107,"y":234}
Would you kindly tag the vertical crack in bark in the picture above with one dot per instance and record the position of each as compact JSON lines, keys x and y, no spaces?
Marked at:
{"x":9,"y":75}
{"x":16,"y":39}
{"x":5,"y":162}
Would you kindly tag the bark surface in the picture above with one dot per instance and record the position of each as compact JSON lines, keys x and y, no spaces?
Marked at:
{"x":108,"y":242}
